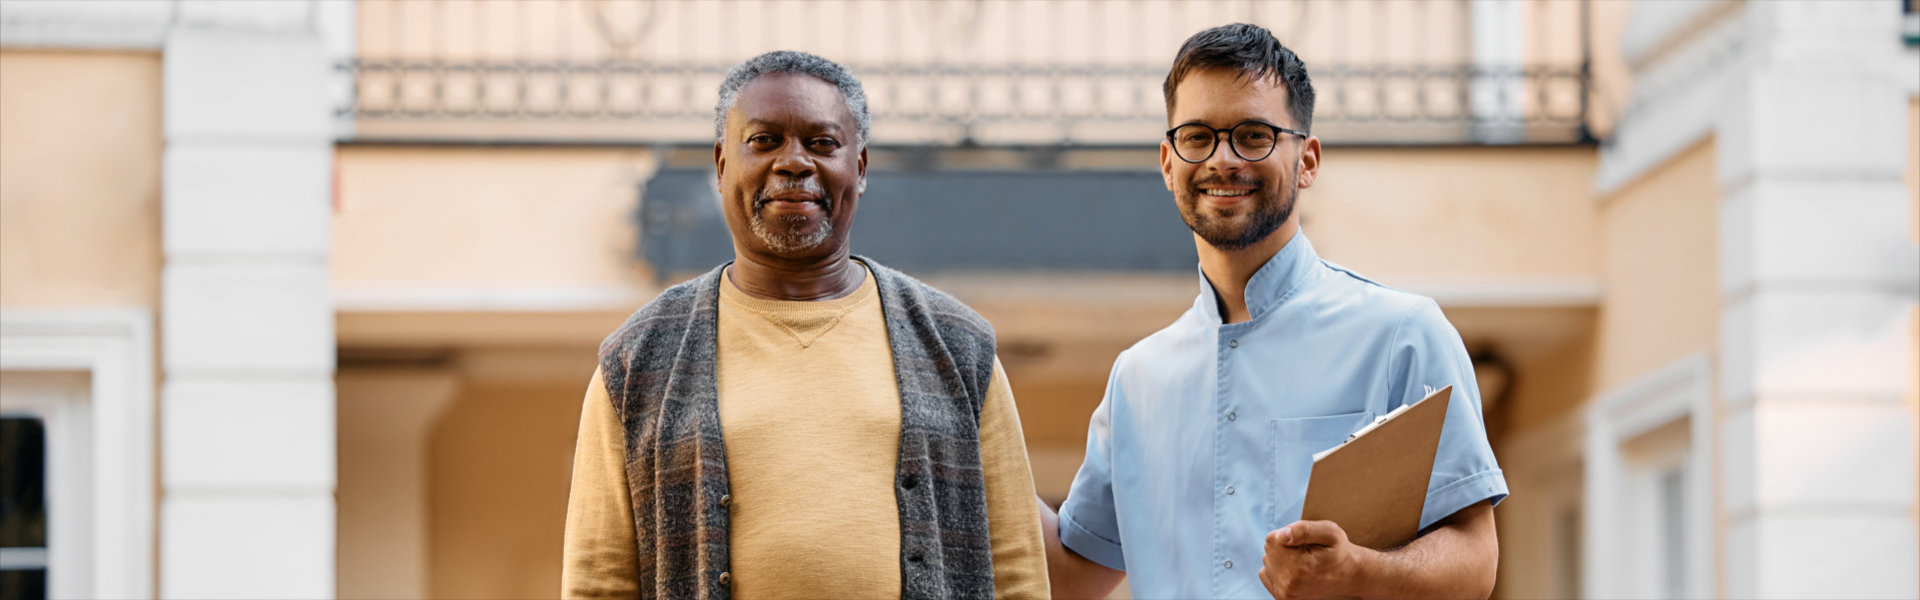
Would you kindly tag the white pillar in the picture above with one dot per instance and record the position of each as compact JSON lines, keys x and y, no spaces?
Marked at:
{"x":1817,"y":278}
{"x":247,"y":413}
{"x":1499,"y":52}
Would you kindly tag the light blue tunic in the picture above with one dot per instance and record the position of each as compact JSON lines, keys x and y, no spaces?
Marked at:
{"x":1205,"y":438}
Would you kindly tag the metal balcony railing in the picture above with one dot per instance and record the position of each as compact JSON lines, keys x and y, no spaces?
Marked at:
{"x":607,"y":71}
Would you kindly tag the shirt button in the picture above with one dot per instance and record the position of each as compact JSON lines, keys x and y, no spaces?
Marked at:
{"x":1232,"y":415}
{"x":1233,"y":343}
{"x":1229,"y":564}
{"x":726,"y":578}
{"x":726,"y":499}
{"x":1229,"y":490}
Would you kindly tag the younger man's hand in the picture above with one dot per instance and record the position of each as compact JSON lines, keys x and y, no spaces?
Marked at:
{"x":1313,"y":559}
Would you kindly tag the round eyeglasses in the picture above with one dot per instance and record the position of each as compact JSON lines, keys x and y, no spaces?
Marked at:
{"x":1252,"y":141}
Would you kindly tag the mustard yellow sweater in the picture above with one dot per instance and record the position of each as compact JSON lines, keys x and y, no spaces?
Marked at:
{"x":811,"y":412}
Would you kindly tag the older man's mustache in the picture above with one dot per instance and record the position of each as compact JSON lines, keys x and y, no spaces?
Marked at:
{"x":794,"y":190}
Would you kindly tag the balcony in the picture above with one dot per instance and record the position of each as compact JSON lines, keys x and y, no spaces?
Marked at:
{"x":957,"y":73}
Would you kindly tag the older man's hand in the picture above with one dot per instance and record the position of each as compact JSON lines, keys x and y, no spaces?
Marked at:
{"x":1314,"y":559}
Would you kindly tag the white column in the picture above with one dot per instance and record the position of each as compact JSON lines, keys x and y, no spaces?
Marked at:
{"x":1498,"y":48}
{"x":1817,"y":277}
{"x":247,"y":413}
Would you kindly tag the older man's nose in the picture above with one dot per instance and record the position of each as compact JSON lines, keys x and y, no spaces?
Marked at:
{"x":793,"y":161}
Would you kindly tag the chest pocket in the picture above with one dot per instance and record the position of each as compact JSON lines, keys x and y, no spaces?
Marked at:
{"x":1291,"y":445}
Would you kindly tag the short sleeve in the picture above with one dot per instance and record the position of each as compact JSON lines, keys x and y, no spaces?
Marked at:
{"x":1429,"y":355}
{"x":1088,"y":523}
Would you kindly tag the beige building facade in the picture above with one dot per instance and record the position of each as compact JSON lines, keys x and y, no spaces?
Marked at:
{"x":302,"y":297}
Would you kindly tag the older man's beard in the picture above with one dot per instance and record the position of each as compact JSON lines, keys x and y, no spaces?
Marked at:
{"x":787,"y":234}
{"x":1266,"y":211}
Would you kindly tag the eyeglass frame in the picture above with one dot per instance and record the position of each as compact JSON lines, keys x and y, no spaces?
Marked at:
{"x":1231,"y":145}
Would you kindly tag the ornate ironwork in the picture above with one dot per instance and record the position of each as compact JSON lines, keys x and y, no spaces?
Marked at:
{"x":622,"y":98}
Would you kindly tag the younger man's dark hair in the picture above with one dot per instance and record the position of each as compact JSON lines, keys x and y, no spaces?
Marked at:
{"x":1253,"y":51}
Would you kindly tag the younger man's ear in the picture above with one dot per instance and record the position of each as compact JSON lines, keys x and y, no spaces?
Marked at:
{"x":1309,"y":165}
{"x":1166,"y":164}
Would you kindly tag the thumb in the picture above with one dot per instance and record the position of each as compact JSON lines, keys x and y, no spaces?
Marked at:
{"x":1312,"y":533}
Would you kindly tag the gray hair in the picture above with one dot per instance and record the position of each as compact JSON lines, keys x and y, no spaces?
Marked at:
{"x":788,"y":61}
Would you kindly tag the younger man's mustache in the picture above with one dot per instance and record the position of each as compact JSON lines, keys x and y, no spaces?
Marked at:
{"x":1236,"y":180}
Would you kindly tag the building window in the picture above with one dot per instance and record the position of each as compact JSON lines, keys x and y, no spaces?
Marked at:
{"x":23,"y":508}
{"x":1648,"y":507}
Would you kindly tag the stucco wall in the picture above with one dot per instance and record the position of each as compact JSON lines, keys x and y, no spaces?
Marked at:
{"x":464,"y":219}
{"x":1913,"y":163}
{"x":1442,"y":213}
{"x":1913,"y":196}
{"x":1661,"y":300}
{"x":80,"y":147}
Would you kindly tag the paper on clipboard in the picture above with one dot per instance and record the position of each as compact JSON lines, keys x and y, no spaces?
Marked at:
{"x":1375,"y":484}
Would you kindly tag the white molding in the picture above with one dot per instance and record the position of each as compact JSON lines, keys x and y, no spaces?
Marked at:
{"x":116,"y":348}
{"x":1505,"y":292}
{"x":90,"y":25}
{"x":1682,"y":389}
{"x":1516,"y":292}
{"x":1657,"y":26}
{"x":1677,"y":101}
{"x":491,"y":299}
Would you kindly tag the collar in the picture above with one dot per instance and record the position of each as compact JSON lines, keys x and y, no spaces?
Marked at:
{"x":1275,"y":281}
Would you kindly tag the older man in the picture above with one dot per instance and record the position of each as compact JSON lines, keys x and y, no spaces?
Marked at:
{"x":800,"y":422}
{"x":1197,"y":459}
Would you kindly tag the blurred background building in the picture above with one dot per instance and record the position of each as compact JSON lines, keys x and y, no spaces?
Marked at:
{"x":300,"y":299}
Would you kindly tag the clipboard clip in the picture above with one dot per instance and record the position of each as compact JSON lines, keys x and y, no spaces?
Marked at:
{"x":1378,"y":420}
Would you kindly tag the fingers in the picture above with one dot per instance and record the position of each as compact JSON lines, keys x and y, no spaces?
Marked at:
{"x":1308,"y":533}
{"x":1266,"y":581}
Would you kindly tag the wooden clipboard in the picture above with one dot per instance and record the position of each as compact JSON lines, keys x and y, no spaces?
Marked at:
{"x":1375,"y":484}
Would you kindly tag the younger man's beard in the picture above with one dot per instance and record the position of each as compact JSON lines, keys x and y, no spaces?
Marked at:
{"x":1266,"y":212}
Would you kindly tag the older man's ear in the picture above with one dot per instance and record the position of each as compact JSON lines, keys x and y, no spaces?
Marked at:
{"x":862,"y":189}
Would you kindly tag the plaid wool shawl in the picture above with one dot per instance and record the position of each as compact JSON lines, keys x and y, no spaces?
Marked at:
{"x":660,"y":374}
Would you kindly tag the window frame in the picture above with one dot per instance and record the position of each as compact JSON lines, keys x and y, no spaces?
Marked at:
{"x":1615,"y":489}
{"x":111,"y":555}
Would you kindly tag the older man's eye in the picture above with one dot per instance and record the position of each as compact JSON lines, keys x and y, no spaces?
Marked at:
{"x":825,"y":144}
{"x":763,"y":141}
